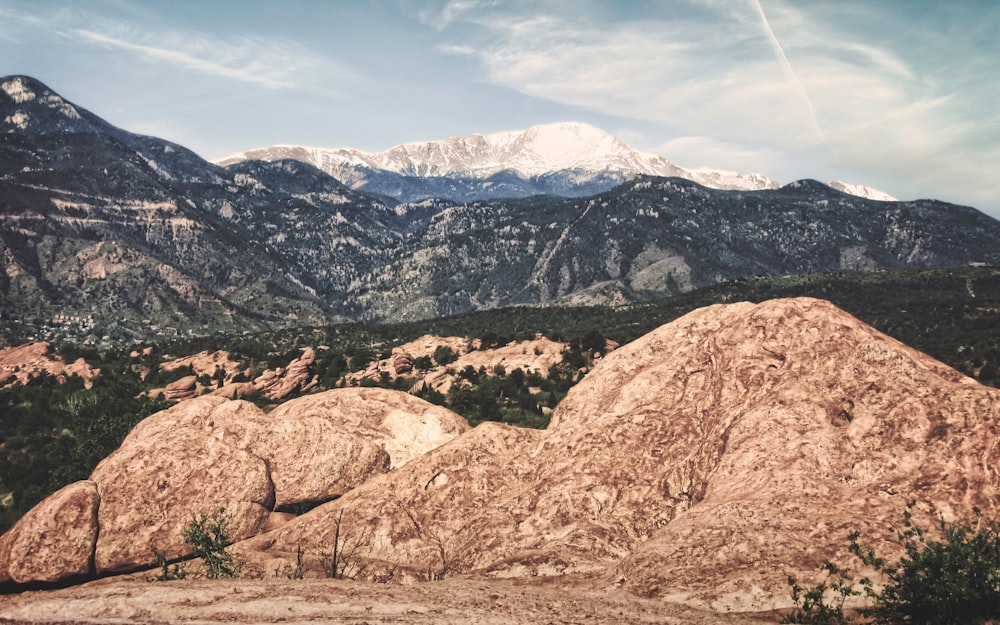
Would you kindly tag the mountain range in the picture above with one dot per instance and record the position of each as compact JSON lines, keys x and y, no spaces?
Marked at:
{"x":125,"y":236}
{"x":568,"y":159}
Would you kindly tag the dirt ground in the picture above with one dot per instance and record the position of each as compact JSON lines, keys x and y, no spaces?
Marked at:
{"x":447,"y":602}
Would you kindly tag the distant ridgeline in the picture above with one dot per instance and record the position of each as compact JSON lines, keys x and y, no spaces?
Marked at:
{"x":152,"y":242}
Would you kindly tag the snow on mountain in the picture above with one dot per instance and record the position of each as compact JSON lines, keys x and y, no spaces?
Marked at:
{"x":28,"y":105}
{"x":861,"y":190}
{"x":575,"y":150}
{"x":537,"y":151}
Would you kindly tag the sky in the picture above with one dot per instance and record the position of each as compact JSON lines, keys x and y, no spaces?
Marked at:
{"x":900,"y":95}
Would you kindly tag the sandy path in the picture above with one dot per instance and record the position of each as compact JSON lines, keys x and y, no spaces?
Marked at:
{"x":449,"y":602}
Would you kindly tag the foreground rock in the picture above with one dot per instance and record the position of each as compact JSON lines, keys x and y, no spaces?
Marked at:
{"x":704,"y":463}
{"x":54,"y":540}
{"x":209,"y":454}
{"x":166,"y":472}
{"x":404,"y":425}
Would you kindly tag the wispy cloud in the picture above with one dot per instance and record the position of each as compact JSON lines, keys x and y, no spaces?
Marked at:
{"x":789,"y":71}
{"x":761,"y":78}
{"x":268,"y":62}
{"x":250,"y":61}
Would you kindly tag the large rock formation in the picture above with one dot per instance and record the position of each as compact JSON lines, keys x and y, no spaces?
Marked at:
{"x":168,"y":470}
{"x":210,"y":453}
{"x":277,"y":384}
{"x":703,"y":462}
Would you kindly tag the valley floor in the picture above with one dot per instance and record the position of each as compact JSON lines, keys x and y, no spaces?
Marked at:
{"x":450,"y":602}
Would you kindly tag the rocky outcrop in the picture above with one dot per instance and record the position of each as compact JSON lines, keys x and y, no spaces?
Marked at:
{"x":310,"y":458}
{"x":179,"y":390}
{"x":54,"y":540}
{"x":296,"y":378}
{"x":402,"y":363}
{"x":404,"y":425}
{"x":209,"y":454}
{"x":704,"y":462}
{"x":277,"y":384}
{"x":538,"y":355}
{"x":21,"y":363}
{"x":206,"y":363}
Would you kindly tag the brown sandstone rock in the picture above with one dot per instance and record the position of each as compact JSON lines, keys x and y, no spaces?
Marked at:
{"x":310,"y":458}
{"x":178,"y":390}
{"x":166,"y":472}
{"x":704,"y":463}
{"x":402,"y":363}
{"x":404,"y":425}
{"x":54,"y":540}
{"x":297,"y":377}
{"x":23,"y":362}
{"x":203,"y":363}
{"x":427,"y":518}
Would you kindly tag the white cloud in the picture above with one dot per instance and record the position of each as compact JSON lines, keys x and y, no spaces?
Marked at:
{"x":268,"y":62}
{"x":794,"y":85}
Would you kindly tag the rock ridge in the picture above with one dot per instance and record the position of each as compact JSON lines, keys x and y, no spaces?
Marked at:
{"x":704,"y":462}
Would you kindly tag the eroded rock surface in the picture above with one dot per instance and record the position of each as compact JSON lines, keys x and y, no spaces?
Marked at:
{"x":209,"y":454}
{"x":704,"y":462}
{"x":167,"y":472}
{"x":406,"y":426}
{"x":55,"y":539}
{"x":21,"y":363}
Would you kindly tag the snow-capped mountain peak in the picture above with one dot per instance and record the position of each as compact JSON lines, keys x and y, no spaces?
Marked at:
{"x":587,"y":158}
{"x":861,"y":190}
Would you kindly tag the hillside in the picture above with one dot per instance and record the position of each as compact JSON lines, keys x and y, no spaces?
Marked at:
{"x":108,"y":237}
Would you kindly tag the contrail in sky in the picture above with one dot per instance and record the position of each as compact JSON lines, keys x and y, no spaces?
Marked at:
{"x":789,"y":70}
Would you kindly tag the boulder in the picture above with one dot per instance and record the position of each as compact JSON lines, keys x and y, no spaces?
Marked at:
{"x":55,"y":539}
{"x":165,"y":474}
{"x":178,"y":390}
{"x":406,"y":426}
{"x":402,"y":363}
{"x":310,"y":458}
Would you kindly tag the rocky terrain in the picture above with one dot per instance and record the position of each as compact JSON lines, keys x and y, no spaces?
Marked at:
{"x":537,"y":355}
{"x":141,"y":238}
{"x":698,"y":466}
{"x":23,"y":362}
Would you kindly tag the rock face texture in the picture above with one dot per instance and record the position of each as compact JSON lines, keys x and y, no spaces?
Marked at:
{"x":537,"y":355}
{"x":704,"y":462}
{"x":277,"y":384}
{"x":54,"y":540}
{"x":210,"y":453}
{"x":168,"y":470}
{"x":404,"y":425}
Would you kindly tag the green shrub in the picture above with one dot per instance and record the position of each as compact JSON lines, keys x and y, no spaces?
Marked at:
{"x":811,"y":607}
{"x":168,"y":572}
{"x":207,"y":536}
{"x":951,"y":581}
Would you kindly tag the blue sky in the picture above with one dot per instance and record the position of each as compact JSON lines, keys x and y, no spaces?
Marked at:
{"x":901,"y":95}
